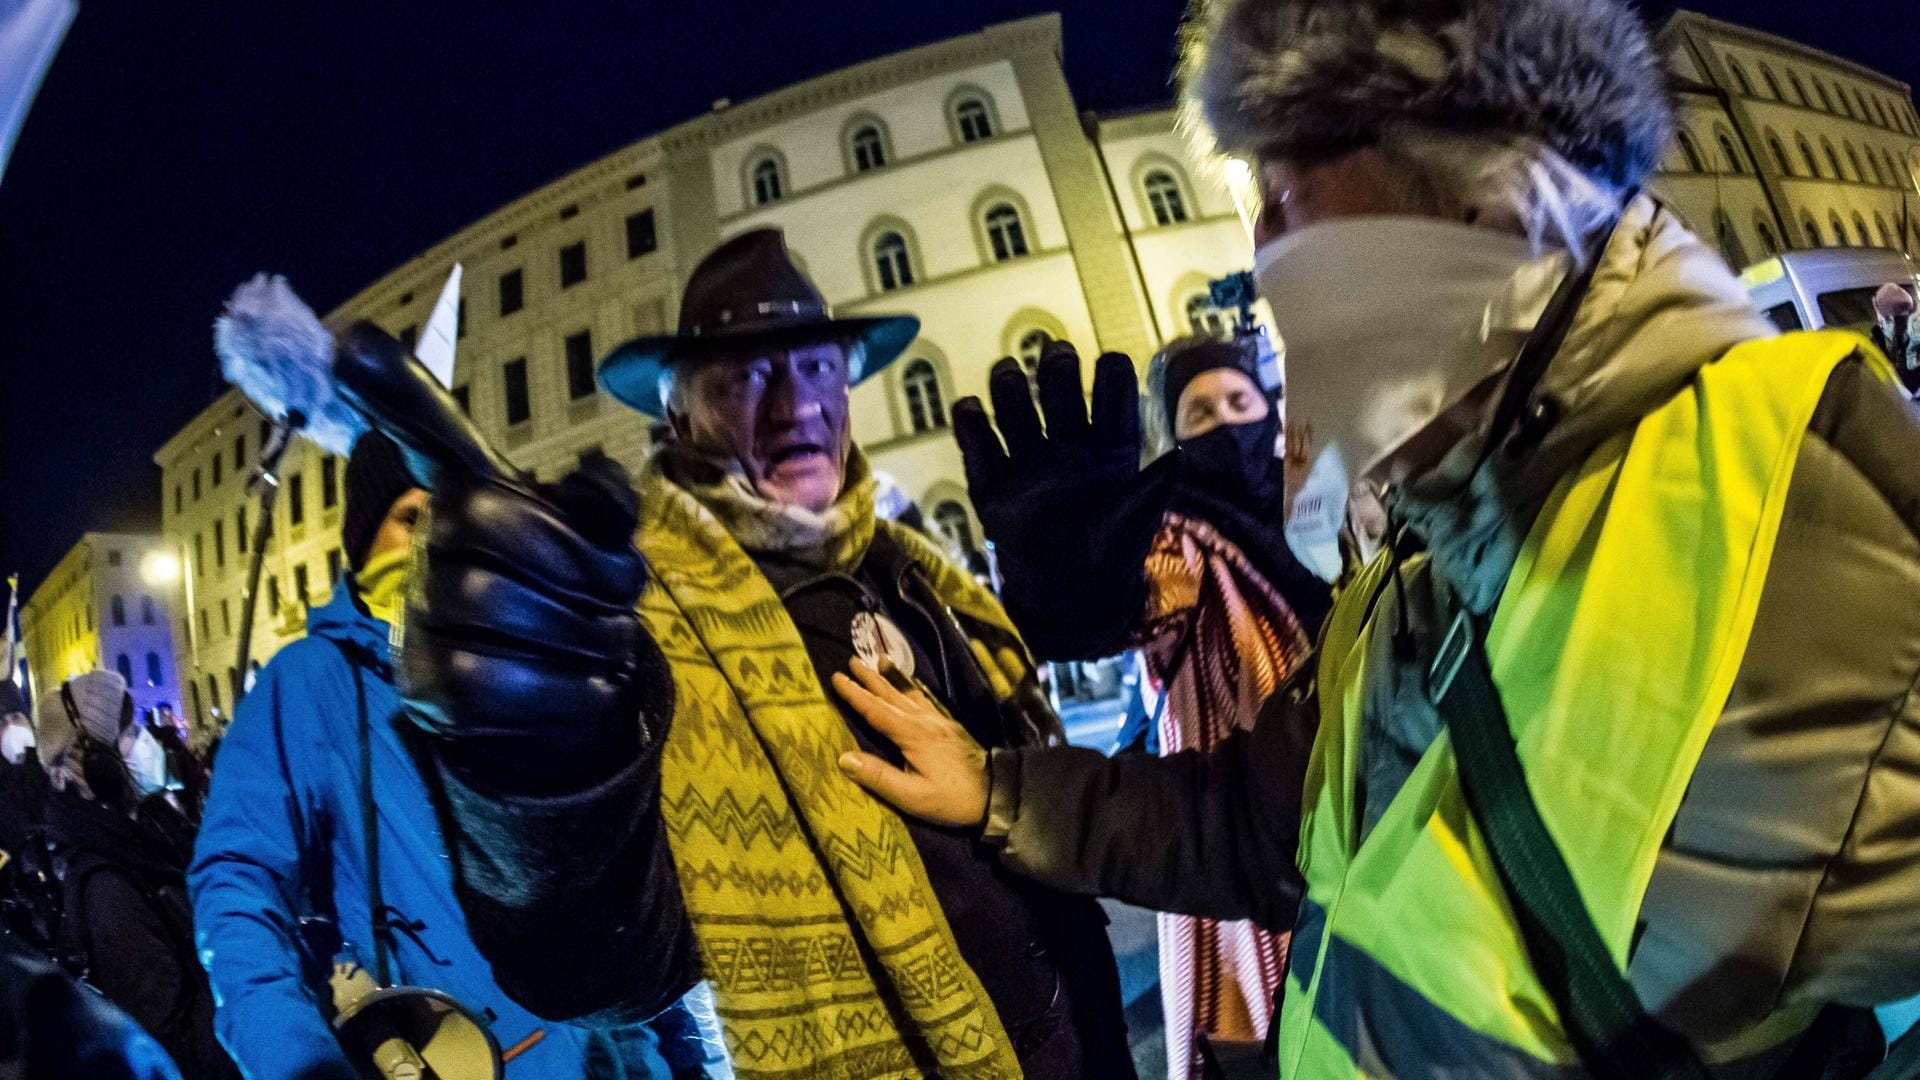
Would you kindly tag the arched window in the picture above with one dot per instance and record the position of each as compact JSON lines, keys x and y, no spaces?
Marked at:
{"x":1839,"y":229}
{"x":1033,"y":344}
{"x":1690,"y":153}
{"x":951,"y":518}
{"x":1799,"y":90}
{"x":213,"y":692}
{"x":1879,"y":177}
{"x":1735,"y":163}
{"x":1204,"y":318}
{"x":1860,"y":105}
{"x":125,"y":667}
{"x":154,"y":675}
{"x":868,"y":148}
{"x":1780,"y":154}
{"x":925,"y":410}
{"x":972,"y":119}
{"x":1833,"y":158}
{"x":1811,"y":229}
{"x":1860,"y":234}
{"x":1886,"y":234}
{"x":146,"y":611}
{"x":1806,"y":154}
{"x":1769,"y":243}
{"x":1740,"y":76}
{"x":1826,"y":103}
{"x":1163,"y":196}
{"x":769,"y":185}
{"x":1853,"y":158}
{"x":1773,"y":84}
{"x":1005,"y":233}
{"x":891,"y":263}
{"x":1730,"y":246}
{"x":119,"y":606}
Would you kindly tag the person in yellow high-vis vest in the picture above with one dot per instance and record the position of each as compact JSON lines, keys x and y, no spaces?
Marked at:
{"x":1657,"y":558}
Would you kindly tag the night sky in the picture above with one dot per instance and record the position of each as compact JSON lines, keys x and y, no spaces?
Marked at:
{"x":176,"y":148}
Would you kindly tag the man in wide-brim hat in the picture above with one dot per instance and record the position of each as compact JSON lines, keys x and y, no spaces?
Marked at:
{"x":840,"y":939}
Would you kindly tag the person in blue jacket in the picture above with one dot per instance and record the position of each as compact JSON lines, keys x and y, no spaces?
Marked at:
{"x":283,"y":847}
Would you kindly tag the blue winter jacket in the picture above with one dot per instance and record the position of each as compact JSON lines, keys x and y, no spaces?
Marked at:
{"x":282,"y":839}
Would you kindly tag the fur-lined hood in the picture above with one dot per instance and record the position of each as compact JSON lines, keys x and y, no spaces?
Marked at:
{"x":1314,"y":78}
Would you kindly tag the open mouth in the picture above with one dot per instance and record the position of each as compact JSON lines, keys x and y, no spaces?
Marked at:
{"x":797,"y":455}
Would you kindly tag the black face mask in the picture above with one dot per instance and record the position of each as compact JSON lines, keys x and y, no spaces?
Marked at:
{"x":1236,"y":462}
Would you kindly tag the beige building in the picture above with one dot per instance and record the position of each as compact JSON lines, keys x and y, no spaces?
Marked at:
{"x":1782,"y":146}
{"x":958,"y":182}
{"x":103,"y":607}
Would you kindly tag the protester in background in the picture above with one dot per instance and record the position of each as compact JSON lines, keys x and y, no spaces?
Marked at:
{"x":186,"y":775}
{"x":770,"y":572}
{"x":312,"y":756}
{"x":1630,"y":685}
{"x":1895,"y":334}
{"x":28,"y":904}
{"x":124,"y":875}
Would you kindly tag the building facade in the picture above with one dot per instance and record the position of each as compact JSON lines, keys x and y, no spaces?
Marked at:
{"x":1781,"y":146}
{"x":958,"y":182}
{"x":98,"y":610}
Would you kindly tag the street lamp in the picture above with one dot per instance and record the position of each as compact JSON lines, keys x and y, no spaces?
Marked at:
{"x":160,"y":568}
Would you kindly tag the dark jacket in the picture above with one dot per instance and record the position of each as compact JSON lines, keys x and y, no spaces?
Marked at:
{"x":1790,"y":874}
{"x":52,"y":1028}
{"x":283,"y":839}
{"x":127,"y":915}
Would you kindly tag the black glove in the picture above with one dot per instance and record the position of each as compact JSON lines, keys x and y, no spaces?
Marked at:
{"x":1069,"y":510}
{"x":523,"y":653}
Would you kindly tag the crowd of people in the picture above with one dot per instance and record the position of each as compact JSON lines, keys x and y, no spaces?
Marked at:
{"x":1595,"y":759}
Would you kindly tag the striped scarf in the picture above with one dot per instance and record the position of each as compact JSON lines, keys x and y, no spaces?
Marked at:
{"x":829,"y":955}
{"x":1219,"y":639}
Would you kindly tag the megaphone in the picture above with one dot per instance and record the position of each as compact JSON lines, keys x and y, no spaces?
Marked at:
{"x":410,"y":1033}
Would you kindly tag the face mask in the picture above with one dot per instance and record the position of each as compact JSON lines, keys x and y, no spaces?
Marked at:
{"x":15,"y":740}
{"x":383,"y":584}
{"x":1385,"y":322}
{"x":1237,"y":463}
{"x":146,"y":763}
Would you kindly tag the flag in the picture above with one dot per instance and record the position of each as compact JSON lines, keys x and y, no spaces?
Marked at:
{"x":30,"y":32}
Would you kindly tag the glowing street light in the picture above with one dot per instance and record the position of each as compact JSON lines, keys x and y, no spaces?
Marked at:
{"x":160,"y":568}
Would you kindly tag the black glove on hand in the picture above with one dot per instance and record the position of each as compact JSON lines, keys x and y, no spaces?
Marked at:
{"x":1069,"y":510}
{"x":523,"y":653}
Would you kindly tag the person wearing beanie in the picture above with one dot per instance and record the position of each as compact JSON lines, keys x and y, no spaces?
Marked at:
{"x":1605,"y":764}
{"x":1895,"y":334}
{"x":313,"y":759}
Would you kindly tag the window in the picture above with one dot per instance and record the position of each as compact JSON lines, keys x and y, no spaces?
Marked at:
{"x":153,"y":670}
{"x":199,"y":553}
{"x":1886,"y":234}
{"x":1164,"y":198}
{"x":891,"y":264}
{"x":113,"y":557}
{"x":1740,"y":77}
{"x":637,"y":180}
{"x":508,"y":241}
{"x":296,"y":499}
{"x":1730,"y":247}
{"x":569,"y":211}
{"x":119,"y":606}
{"x":1853,"y":158}
{"x":1769,"y":243}
{"x":925,"y":410}
{"x":971,"y":117}
{"x":1826,"y":103}
{"x":1780,"y":154}
{"x":226,"y":619}
{"x":580,"y":365}
{"x":1735,"y":163}
{"x":464,"y":396}
{"x":1799,"y":90}
{"x":1833,"y":159}
{"x":641,"y":236}
{"x":1033,"y":344}
{"x":329,"y":482}
{"x":1806,"y":155}
{"x":768,"y":185}
{"x":1879,"y":118}
{"x":206,"y":628}
{"x":239,"y":451}
{"x":196,"y":485}
{"x":519,"y":409}
{"x":1204,"y":318}
{"x":573,"y":264}
{"x":218,"y":463}
{"x":1839,"y":228}
{"x":333,"y":565}
{"x":213,"y":693}
{"x":1773,"y":84}
{"x":1860,"y":234}
{"x":146,"y":611}
{"x":125,"y":667}
{"x":869,"y":150}
{"x":1879,"y":177}
{"x":1690,"y":153}
{"x":273,"y":595}
{"x":951,"y":518}
{"x":240,"y":530}
{"x":1005,"y":234}
{"x":177,"y":500}
{"x":1811,"y":230}
{"x":512,"y":298}
{"x":219,"y":543}
{"x":300,"y":583}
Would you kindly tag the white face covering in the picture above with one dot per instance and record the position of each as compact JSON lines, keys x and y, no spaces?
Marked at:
{"x":146,"y":762}
{"x":15,"y":739}
{"x":1386,"y":321}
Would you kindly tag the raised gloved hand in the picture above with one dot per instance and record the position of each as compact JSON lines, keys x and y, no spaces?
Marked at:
{"x":1069,"y":510}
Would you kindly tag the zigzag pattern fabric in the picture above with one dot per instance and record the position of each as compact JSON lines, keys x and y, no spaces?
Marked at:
{"x":829,"y":955}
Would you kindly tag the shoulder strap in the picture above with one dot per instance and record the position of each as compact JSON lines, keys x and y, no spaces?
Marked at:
{"x":1603,"y":1018}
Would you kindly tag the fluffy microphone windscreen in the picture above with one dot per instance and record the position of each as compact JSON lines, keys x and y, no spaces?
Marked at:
{"x":273,"y":348}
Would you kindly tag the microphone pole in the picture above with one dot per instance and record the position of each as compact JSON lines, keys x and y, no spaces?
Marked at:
{"x":266,"y":478}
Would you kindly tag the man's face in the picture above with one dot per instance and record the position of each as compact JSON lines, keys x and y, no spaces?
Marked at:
{"x":780,"y":411}
{"x":1215,"y":397}
{"x":396,"y":529}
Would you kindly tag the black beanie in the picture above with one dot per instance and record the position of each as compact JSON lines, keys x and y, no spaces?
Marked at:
{"x":1189,"y":358}
{"x":376,"y":478}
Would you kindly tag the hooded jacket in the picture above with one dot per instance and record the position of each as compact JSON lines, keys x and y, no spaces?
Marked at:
{"x":1788,"y":878}
{"x":283,"y":839}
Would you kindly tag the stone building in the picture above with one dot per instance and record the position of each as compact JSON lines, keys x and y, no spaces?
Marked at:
{"x":104,"y":606}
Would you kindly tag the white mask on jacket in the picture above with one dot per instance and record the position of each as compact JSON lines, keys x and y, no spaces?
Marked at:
{"x":15,"y":739}
{"x":1386,"y":322}
{"x":146,"y":762}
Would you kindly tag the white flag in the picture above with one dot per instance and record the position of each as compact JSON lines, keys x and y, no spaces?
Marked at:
{"x":437,"y":342}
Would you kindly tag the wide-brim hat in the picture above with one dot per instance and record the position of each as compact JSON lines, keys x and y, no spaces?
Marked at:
{"x":748,"y":291}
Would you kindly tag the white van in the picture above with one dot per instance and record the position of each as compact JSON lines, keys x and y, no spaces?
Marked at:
{"x":1825,"y":287}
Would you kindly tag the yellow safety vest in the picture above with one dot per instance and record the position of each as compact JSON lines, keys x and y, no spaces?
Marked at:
{"x":1615,"y":647}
